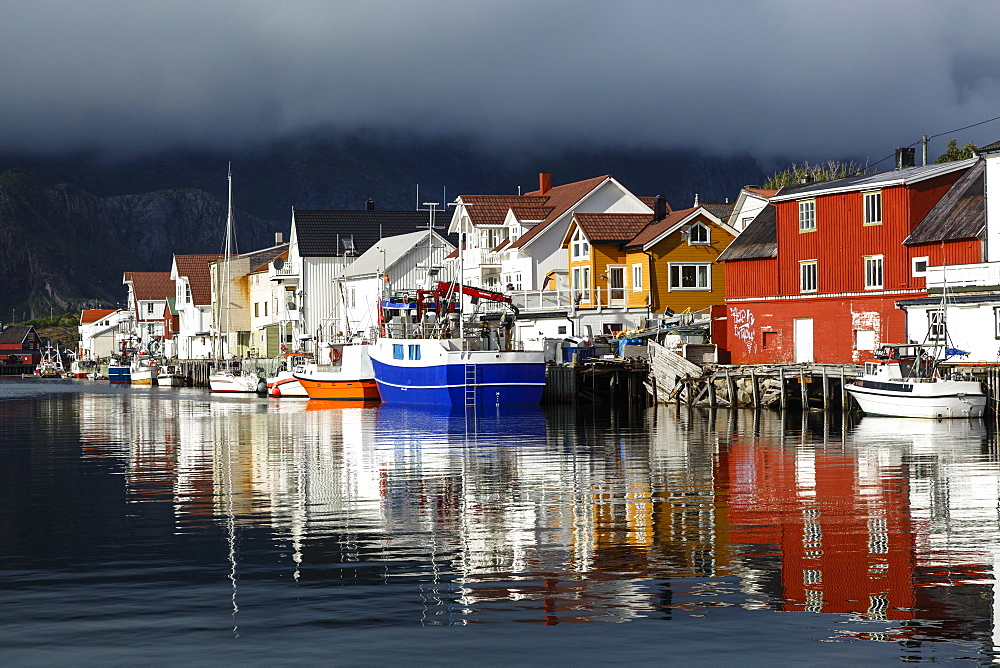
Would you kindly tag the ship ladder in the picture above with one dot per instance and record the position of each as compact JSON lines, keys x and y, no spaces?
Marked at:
{"x":470,"y":384}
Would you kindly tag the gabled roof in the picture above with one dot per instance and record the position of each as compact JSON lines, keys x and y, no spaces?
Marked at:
{"x":610,"y":227}
{"x":150,"y":285}
{"x":763,"y":192}
{"x":90,"y":315}
{"x":15,"y":333}
{"x":263,"y":267}
{"x":561,"y":199}
{"x":261,"y":257}
{"x":532,"y":213}
{"x":492,"y":209}
{"x":759,"y":240}
{"x":960,"y":214}
{"x":721,"y":210}
{"x":676,"y":220}
{"x":195,"y":268}
{"x":390,"y":250}
{"x":864,"y":182}
{"x":327,"y":233}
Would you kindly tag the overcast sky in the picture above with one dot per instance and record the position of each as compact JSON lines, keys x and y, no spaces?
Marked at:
{"x":805,"y":79}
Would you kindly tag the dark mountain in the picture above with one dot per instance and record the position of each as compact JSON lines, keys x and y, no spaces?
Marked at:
{"x":63,"y":245}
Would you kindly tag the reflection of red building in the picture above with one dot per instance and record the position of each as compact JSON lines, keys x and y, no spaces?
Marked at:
{"x":841,"y":535}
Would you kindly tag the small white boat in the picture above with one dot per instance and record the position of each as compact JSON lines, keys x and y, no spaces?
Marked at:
{"x":232,"y":379}
{"x":284,"y":383}
{"x":905,"y":380}
{"x":171,"y":376}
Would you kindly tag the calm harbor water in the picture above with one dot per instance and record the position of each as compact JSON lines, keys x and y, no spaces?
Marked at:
{"x":168,"y":526}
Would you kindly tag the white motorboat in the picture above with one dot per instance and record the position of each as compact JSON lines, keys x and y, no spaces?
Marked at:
{"x":284,"y":383}
{"x":906,"y":380}
{"x":171,"y":376}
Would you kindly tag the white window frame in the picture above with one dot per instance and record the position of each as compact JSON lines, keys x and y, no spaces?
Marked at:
{"x":580,"y":245}
{"x":585,"y":283}
{"x":807,"y":215}
{"x":872,"y":207}
{"x":936,"y":325}
{"x":637,"y":278}
{"x":874,"y":272}
{"x":691,"y":235}
{"x":808,"y":276}
{"x":703,"y":276}
{"x":913,"y":266}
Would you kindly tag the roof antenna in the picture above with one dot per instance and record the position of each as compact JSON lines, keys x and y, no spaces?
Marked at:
{"x":418,"y":197}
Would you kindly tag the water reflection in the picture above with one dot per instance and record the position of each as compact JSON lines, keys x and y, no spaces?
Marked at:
{"x":543,"y":515}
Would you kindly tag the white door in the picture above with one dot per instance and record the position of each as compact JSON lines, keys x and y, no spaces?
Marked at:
{"x":803,"y":340}
{"x":616,"y":286}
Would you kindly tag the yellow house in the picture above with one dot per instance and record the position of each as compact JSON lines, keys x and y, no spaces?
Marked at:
{"x":648,"y":263}
{"x":673,"y":262}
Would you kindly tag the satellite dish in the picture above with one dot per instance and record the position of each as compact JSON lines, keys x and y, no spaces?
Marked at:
{"x":278,"y":263}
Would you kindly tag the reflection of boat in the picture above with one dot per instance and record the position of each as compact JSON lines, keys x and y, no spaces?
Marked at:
{"x":428,"y":357}
{"x":872,"y":430}
{"x":50,"y":366}
{"x":905,"y":380}
{"x":345,"y":375}
{"x":284,"y":383}
{"x":170,"y":376}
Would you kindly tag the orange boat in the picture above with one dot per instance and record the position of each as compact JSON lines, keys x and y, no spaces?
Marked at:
{"x":345,"y":375}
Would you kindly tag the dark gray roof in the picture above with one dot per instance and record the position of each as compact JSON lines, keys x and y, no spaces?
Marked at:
{"x":873,"y":181}
{"x":15,"y":333}
{"x":265,"y":255}
{"x":328,"y":233}
{"x":960,"y":214}
{"x":720,"y":210}
{"x":758,"y":240}
{"x":989,"y":148}
{"x":984,"y":298}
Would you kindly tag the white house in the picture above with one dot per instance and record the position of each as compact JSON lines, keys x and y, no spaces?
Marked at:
{"x":192,"y":281}
{"x":404,"y":262}
{"x":749,"y":203}
{"x":102,"y":331}
{"x":515,"y":240}
{"x":147,"y":298}
{"x":963,"y":306}
{"x":322,"y":244}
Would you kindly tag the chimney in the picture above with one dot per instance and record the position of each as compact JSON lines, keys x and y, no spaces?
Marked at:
{"x":278,"y":239}
{"x":807,"y":178}
{"x":906,"y":157}
{"x":370,"y":205}
{"x":544,"y":183}
{"x":659,"y":208}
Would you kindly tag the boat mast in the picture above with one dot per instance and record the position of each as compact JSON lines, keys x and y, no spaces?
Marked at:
{"x":227,"y":287}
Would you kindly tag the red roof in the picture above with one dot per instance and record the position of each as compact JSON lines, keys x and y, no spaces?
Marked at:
{"x":90,"y":315}
{"x":656,"y":229}
{"x":561,"y":199}
{"x":492,"y":209}
{"x":609,"y":227}
{"x":195,"y":268}
{"x":150,"y":285}
{"x":762,"y":192}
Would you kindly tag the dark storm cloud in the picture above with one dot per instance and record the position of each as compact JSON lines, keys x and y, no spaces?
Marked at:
{"x":797,"y":78}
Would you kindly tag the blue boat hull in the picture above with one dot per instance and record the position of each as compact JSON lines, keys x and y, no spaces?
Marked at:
{"x":446,"y":384}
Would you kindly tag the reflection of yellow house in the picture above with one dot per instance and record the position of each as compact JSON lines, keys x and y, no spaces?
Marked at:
{"x":637,"y":262}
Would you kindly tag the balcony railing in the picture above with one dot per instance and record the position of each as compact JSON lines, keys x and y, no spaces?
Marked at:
{"x":547,"y":300}
{"x":288,"y":270}
{"x":964,"y":275}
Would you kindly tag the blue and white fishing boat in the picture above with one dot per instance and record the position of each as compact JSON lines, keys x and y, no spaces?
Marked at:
{"x":429,"y":354}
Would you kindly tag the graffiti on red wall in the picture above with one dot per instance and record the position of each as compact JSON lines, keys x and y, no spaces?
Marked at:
{"x":744,"y":327}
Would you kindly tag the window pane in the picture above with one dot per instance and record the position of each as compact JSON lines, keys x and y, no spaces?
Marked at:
{"x":397,"y":351}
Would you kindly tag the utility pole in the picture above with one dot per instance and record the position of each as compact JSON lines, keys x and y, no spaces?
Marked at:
{"x":923,"y":148}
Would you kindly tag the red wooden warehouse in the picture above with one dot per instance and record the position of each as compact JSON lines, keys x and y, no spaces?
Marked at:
{"x":815,"y":276}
